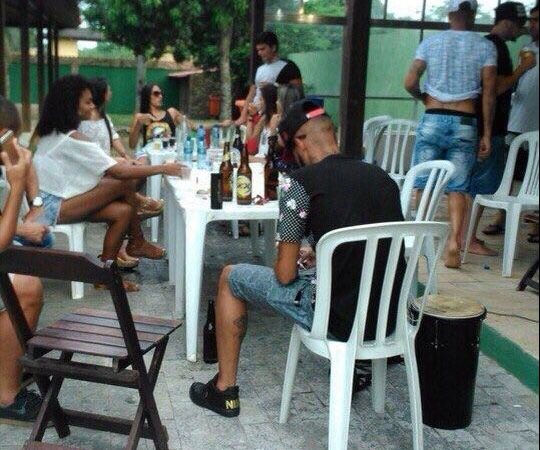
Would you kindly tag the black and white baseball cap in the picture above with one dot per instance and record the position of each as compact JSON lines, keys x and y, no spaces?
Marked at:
{"x":462,"y":5}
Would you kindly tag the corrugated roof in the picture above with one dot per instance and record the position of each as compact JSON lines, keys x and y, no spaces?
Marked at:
{"x":62,"y":13}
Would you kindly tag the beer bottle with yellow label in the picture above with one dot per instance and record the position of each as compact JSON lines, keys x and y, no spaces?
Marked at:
{"x":244,"y":180}
{"x":226,"y":171}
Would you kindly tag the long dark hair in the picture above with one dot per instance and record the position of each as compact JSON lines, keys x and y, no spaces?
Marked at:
{"x":269,"y":95}
{"x":9,"y":116}
{"x":61,"y":107}
{"x":100,"y":87}
{"x":146,"y":95}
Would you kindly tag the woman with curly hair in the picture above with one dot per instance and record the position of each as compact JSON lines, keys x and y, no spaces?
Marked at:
{"x":80,"y":182}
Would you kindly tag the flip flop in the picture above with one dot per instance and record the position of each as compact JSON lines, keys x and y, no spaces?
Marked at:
{"x":493,"y":230}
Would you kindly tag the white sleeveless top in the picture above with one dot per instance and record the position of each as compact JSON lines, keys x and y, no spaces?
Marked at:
{"x":68,"y":167}
{"x":96,"y":131}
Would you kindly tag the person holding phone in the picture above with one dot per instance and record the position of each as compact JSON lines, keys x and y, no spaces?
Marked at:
{"x":17,"y":404}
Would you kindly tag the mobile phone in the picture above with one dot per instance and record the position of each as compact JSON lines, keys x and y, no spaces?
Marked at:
{"x":6,"y":137}
{"x":10,"y":149}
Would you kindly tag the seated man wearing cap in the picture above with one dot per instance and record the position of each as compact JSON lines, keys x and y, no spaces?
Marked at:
{"x":330,"y":191}
{"x":459,"y":65}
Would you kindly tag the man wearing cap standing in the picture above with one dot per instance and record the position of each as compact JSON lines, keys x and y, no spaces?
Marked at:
{"x":459,"y":66}
{"x":510,"y":20}
{"x":311,"y":205}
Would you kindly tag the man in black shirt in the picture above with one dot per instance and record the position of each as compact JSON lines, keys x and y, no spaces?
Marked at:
{"x":510,"y":19}
{"x":330,"y":192}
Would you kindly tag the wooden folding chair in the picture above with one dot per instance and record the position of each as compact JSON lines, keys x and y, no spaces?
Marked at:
{"x":120,"y":336}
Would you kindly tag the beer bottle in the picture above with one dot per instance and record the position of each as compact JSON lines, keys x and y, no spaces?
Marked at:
{"x":243,"y":180}
{"x":237,"y":147}
{"x":271,"y":173}
{"x":209,"y":336}
{"x":226,"y":171}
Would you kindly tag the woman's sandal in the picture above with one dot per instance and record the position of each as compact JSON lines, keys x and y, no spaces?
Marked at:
{"x":146,"y":250}
{"x":128,"y":264}
{"x":129,"y":286}
{"x":150,"y":208}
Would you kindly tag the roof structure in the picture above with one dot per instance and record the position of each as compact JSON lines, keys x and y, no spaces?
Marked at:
{"x":60,"y":13}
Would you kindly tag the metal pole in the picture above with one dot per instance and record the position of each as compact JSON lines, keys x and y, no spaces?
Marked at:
{"x":25,"y":67}
{"x":257,"y":27}
{"x":50,"y":60}
{"x":56,"y":54}
{"x":40,"y":57}
{"x":3,"y":62}
{"x":354,"y":77}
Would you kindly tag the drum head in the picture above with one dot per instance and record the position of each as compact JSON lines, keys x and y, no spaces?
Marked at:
{"x":447,"y":307}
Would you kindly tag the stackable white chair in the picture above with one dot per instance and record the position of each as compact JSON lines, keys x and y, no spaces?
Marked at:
{"x":394,"y":136}
{"x":371,"y":130}
{"x":526,"y":199}
{"x":342,"y":355}
{"x":439,"y":174}
{"x":75,"y":236}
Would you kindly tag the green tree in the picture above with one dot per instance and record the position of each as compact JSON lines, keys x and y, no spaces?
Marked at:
{"x":146,"y":27}
{"x":220,"y":38}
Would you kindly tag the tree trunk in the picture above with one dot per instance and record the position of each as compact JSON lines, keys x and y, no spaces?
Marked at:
{"x":141,"y":78}
{"x":225,"y":71}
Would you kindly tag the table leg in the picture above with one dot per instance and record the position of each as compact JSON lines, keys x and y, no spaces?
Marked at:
{"x":180,"y":263}
{"x":269,"y":242}
{"x":155,"y":193}
{"x":254,"y":235}
{"x":195,"y":235}
{"x":170,"y":233}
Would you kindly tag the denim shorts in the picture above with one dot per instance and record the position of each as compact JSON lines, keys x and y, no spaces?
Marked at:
{"x":452,"y":138}
{"x":488,"y":174}
{"x":258,"y":285}
{"x":51,"y":208}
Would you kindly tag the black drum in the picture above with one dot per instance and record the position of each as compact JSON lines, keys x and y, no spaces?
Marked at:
{"x":447,"y":349}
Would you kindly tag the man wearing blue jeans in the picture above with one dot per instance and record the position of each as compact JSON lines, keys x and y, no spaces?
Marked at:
{"x":330,"y":192}
{"x":510,"y":19}
{"x":459,"y":66}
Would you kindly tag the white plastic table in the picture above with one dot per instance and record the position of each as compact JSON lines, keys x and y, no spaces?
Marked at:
{"x":186,"y":219}
{"x":156,"y":157}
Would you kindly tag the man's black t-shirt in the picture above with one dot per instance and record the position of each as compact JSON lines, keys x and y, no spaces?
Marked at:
{"x":341,"y":192}
{"x":504,"y":101}
{"x":289,"y":73}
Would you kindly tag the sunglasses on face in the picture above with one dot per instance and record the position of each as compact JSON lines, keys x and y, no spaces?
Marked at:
{"x":157,"y":94}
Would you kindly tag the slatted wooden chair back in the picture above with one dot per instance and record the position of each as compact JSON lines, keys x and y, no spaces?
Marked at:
{"x":120,"y":335}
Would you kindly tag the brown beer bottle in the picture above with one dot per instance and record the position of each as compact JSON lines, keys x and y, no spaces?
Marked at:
{"x":243,"y":180}
{"x":271,"y":174}
{"x":226,"y":171}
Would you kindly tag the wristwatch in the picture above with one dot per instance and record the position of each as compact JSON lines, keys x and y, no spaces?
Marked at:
{"x":37,"y":202}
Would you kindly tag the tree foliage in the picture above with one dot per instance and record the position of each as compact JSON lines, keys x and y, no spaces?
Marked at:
{"x":147,"y":27}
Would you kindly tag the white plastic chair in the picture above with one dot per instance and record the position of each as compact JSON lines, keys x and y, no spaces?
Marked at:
{"x":75,"y":236}
{"x":371,"y":130}
{"x":527,"y":199}
{"x":394,"y":135}
{"x":439,"y":174}
{"x":342,"y":355}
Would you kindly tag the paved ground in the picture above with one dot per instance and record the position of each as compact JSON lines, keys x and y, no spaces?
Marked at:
{"x":506,"y":413}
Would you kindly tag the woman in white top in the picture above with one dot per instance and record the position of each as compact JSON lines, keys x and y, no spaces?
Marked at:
{"x":100,"y":130}
{"x":79,"y":182}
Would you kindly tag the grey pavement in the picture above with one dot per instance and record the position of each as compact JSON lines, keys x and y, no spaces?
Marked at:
{"x":505,"y":416}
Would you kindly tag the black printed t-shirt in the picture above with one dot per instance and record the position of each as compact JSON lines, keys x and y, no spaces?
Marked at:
{"x":503,"y":105}
{"x":340,"y":192}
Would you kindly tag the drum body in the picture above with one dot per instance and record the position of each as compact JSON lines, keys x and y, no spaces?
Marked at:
{"x":447,"y":350}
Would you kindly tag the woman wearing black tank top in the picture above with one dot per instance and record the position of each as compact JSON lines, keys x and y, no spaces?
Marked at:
{"x":152,"y":115}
